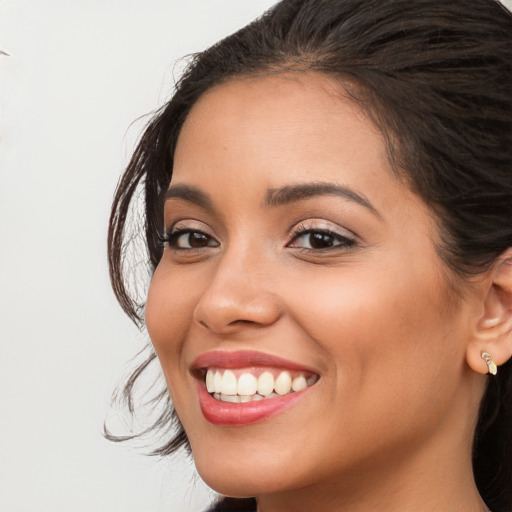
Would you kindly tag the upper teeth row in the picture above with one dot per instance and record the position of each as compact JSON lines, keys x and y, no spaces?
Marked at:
{"x":226,"y":383}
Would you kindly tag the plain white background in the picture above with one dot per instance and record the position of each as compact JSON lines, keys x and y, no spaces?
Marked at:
{"x":78,"y":74}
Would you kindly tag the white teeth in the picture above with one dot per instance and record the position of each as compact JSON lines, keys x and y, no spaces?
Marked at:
{"x":283,"y":384}
{"x":299,"y":383}
{"x":217,"y":381}
{"x":247,"y":384}
{"x":225,"y":386}
{"x":209,"y":381}
{"x":238,"y":399}
{"x":265,"y":383}
{"x":230,"y":398}
{"x":229,"y":384}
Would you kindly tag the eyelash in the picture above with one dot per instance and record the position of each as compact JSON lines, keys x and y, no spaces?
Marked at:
{"x":172,"y":236}
{"x":301,"y":230}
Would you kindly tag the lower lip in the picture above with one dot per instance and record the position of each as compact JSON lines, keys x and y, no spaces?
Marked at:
{"x":231,"y":414}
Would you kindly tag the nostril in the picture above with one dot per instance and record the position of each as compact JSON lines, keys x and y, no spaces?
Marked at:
{"x":229,"y":325}
{"x":223,"y":308}
{"x":243,"y":322}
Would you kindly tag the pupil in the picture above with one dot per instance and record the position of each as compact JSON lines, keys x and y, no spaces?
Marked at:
{"x":198,"y":240}
{"x":320,"y":240}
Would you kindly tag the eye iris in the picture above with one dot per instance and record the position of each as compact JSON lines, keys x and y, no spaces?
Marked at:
{"x":197,"y":240}
{"x":320,"y":240}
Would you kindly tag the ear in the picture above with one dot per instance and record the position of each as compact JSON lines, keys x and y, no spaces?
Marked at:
{"x":493,"y":330}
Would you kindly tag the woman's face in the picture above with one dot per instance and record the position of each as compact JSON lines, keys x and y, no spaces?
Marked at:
{"x":295,"y":252}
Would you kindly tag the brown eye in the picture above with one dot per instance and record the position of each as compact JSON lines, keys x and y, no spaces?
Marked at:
{"x":184,"y":239}
{"x":197,"y":240}
{"x":320,"y":239}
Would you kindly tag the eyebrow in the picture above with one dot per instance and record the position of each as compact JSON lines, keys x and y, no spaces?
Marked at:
{"x":276,"y":197}
{"x":293,"y":193}
{"x":190,"y":194}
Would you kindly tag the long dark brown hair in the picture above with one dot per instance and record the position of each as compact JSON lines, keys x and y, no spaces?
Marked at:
{"x":436,"y":79}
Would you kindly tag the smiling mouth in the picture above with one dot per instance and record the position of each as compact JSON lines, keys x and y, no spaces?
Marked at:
{"x":239,"y":388}
{"x":254,"y":384}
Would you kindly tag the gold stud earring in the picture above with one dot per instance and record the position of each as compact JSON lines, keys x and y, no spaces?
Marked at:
{"x":493,"y":369}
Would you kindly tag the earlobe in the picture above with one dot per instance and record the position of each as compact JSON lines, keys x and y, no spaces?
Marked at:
{"x":491,"y":345}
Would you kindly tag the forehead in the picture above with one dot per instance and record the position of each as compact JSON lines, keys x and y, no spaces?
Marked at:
{"x":306,"y":96}
{"x":300,"y":120}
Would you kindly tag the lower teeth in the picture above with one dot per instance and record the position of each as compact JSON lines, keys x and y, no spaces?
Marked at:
{"x":242,"y":398}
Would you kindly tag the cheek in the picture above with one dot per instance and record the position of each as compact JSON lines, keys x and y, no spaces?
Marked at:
{"x":169,"y":311}
{"x":168,"y":317}
{"x":359,"y":309}
{"x":387,"y":335}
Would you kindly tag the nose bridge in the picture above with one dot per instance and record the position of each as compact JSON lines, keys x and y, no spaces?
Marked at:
{"x":239,"y":292}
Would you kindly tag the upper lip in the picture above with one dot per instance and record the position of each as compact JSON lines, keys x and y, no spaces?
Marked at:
{"x":245,"y":359}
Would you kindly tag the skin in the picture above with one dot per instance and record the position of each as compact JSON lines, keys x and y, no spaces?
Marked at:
{"x":389,"y":425}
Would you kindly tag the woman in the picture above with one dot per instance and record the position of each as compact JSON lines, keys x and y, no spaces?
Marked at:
{"x":328,"y":206}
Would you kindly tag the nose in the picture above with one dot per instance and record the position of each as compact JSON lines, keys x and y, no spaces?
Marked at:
{"x":239,"y":295}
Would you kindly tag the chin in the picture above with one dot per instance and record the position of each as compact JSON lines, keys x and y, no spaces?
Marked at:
{"x":236,"y":485}
{"x":258,"y":468}
{"x":242,"y":477}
